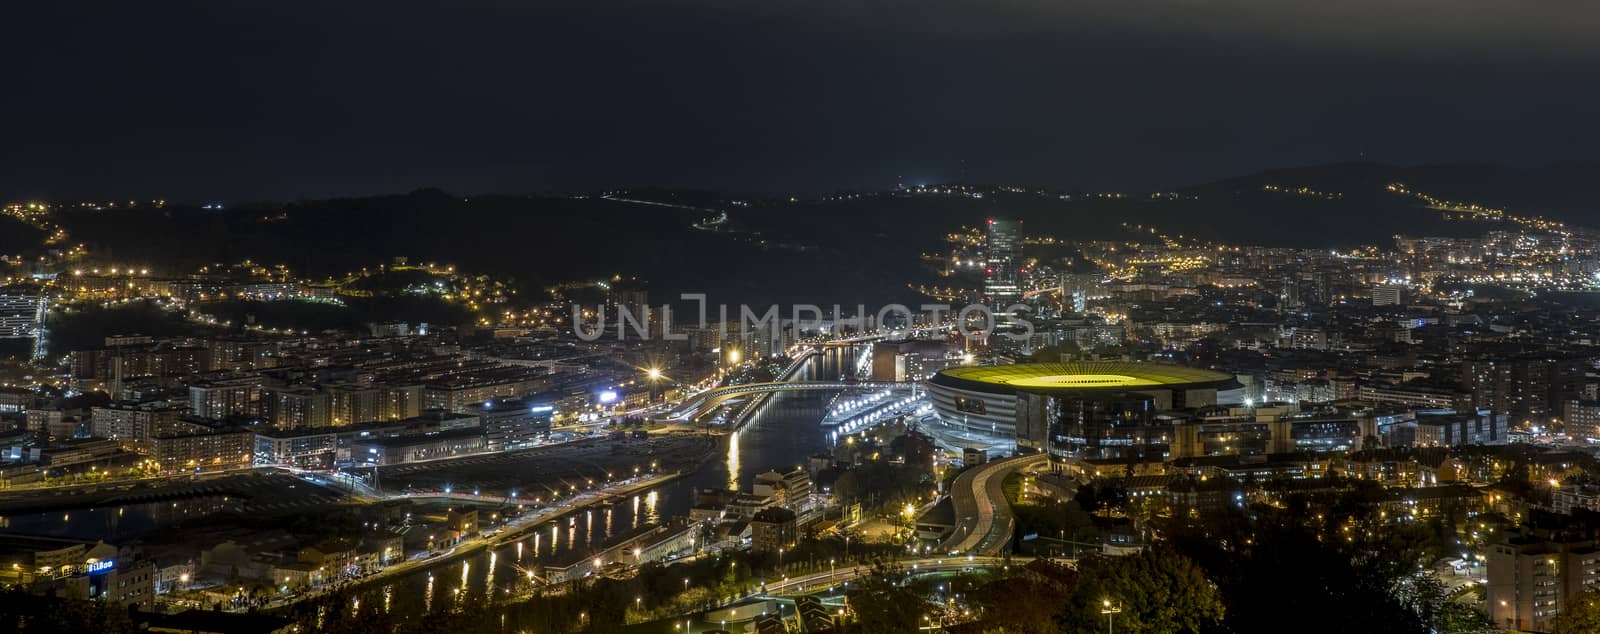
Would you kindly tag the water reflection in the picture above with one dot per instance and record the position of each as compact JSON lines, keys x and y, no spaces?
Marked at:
{"x":733,"y":461}
{"x":118,"y":523}
{"x":780,"y":437}
{"x":427,"y":597}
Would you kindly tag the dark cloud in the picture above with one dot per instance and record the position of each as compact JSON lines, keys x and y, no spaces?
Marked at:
{"x":1558,"y":28}
{"x":225,"y":100}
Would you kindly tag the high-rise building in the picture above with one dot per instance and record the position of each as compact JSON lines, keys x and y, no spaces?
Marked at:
{"x":354,"y":403}
{"x":1582,"y":418}
{"x":134,"y":425}
{"x":1003,"y":252}
{"x":1076,"y":289}
{"x":1530,"y":388}
{"x":631,"y":297}
{"x":221,"y":396}
{"x":1388,"y":295}
{"x":204,"y":450}
{"x":296,"y":407}
{"x":1533,"y":575}
{"x":21,"y":311}
{"x":1289,"y":293}
{"x":129,"y":358}
{"x":238,"y":353}
{"x":399,"y":402}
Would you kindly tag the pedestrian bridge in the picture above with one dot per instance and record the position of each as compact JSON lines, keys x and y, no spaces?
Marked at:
{"x":696,"y":403}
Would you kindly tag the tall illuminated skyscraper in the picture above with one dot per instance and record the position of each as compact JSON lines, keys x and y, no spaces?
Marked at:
{"x":1003,"y":249}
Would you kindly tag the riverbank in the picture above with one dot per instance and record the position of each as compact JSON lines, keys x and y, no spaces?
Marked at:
{"x":514,"y":531}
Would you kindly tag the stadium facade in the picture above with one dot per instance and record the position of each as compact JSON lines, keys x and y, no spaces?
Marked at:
{"x":1089,"y":409}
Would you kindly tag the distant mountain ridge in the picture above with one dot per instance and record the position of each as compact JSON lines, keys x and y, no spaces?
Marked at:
{"x":1565,"y":190}
{"x":848,"y":249}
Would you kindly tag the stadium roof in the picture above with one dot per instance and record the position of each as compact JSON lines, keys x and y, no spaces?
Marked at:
{"x":1081,"y":376}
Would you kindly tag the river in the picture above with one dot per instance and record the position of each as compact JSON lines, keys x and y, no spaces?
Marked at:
{"x":781,"y":436}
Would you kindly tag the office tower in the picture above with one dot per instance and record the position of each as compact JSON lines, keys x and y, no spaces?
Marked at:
{"x":1003,"y":248}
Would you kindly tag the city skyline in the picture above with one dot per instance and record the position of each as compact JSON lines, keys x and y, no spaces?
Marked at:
{"x":890,"y":317}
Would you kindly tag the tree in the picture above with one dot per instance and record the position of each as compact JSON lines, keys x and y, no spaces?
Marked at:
{"x":879,"y":604}
{"x":1056,"y":353}
{"x":1581,"y":615}
{"x":1427,"y":596}
{"x":1018,"y":605}
{"x":1251,"y":563}
{"x":1157,"y":591}
{"x":1099,"y":494}
{"x":1146,"y":508}
{"x":23,"y":612}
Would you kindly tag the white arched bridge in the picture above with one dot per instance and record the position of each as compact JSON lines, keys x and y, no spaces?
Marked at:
{"x":697,"y":403}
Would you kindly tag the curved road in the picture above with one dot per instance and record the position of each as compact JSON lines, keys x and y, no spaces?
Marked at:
{"x":983,"y":517}
{"x":828,"y":578}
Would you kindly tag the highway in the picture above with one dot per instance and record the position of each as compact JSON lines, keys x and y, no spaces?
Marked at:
{"x":983,"y":517}
{"x":821,"y":580}
{"x":784,"y":591}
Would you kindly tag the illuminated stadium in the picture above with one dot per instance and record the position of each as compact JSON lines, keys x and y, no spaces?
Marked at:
{"x":1071,"y":408}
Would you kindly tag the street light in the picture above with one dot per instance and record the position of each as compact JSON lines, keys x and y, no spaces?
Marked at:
{"x":1110,"y":611}
{"x":654,"y":374}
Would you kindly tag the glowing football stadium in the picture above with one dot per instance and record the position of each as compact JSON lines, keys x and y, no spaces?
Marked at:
{"x":1081,"y":408}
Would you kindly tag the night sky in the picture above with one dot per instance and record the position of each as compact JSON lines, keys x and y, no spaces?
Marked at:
{"x":216,"y":100}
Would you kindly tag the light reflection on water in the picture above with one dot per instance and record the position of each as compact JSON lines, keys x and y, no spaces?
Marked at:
{"x":780,"y":437}
{"x":117,"y":523}
{"x":733,"y":461}
{"x":427,"y":600}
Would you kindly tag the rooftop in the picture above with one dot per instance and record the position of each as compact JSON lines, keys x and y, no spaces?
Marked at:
{"x":1080,"y":376}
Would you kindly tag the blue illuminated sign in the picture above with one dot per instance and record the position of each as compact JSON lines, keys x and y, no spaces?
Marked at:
{"x":96,"y":567}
